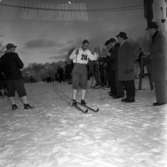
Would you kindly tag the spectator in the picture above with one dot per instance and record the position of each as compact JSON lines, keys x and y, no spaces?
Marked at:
{"x":11,"y":64}
{"x":158,"y":63}
{"x":60,"y":74}
{"x":2,"y":84}
{"x":111,"y":66}
{"x":2,"y":77}
{"x":68,"y":71}
{"x":126,"y":66}
{"x":93,"y":69}
{"x":104,"y":67}
{"x":116,"y":86}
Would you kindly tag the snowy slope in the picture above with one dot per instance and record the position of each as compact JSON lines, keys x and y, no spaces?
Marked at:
{"x":57,"y":135}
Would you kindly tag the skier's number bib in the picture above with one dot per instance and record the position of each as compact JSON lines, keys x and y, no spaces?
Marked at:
{"x":84,"y":57}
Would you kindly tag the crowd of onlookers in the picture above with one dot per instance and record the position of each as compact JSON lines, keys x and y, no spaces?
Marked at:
{"x":113,"y":67}
{"x":100,"y":70}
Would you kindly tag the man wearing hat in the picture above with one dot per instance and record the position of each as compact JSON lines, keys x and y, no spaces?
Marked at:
{"x":116,"y":90}
{"x":126,"y":70}
{"x":11,"y":66}
{"x":158,"y":55}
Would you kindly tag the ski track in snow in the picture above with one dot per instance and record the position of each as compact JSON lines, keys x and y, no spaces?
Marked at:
{"x":57,"y":135}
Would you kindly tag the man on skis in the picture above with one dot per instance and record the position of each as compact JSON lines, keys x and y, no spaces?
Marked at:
{"x":80,"y":57}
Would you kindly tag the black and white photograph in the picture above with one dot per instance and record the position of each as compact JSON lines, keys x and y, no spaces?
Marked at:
{"x":83,"y":83}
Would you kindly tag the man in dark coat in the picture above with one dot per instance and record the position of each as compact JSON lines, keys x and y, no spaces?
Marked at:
{"x":2,"y":84}
{"x":11,"y":64}
{"x":116,"y":90}
{"x":119,"y":92}
{"x":110,"y":69}
{"x":126,"y":68}
{"x":158,"y":55}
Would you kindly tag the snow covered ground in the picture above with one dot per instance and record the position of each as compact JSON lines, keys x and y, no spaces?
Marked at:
{"x":57,"y":135}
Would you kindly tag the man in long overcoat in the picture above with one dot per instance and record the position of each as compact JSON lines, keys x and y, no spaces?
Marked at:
{"x":158,"y":51}
{"x":126,"y":66}
{"x":111,"y":66}
{"x":116,"y":90}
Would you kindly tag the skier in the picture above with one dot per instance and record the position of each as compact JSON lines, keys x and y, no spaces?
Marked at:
{"x":80,"y":57}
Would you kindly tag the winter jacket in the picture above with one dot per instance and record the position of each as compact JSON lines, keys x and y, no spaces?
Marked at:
{"x":126,"y":62}
{"x":158,"y":55}
{"x":10,"y":65}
